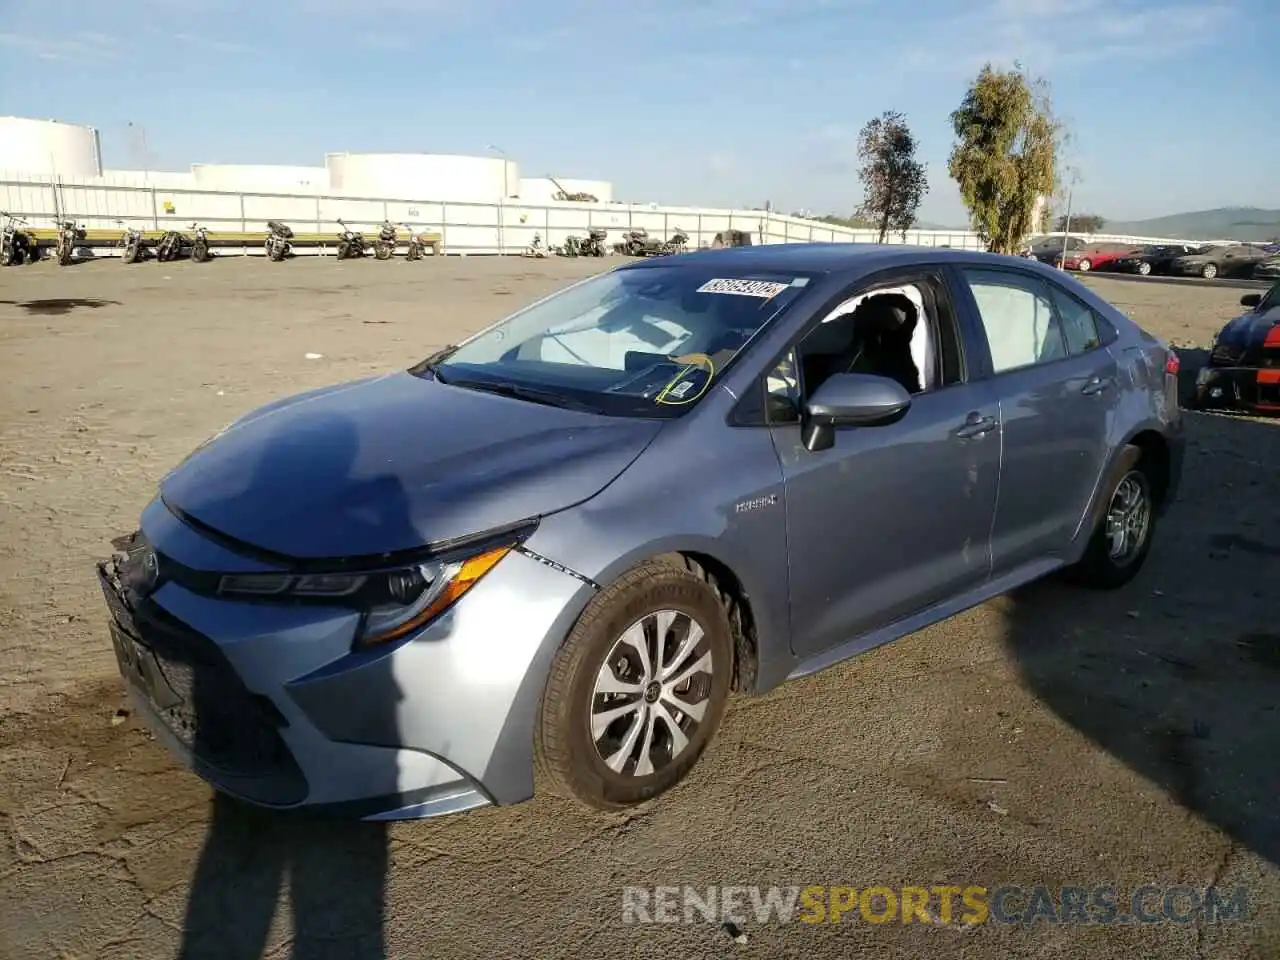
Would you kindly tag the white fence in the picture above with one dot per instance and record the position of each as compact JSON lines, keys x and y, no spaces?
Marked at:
{"x":466,"y":228}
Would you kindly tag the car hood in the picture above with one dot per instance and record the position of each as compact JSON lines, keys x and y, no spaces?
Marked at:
{"x":394,"y":463}
{"x":1247,"y":330}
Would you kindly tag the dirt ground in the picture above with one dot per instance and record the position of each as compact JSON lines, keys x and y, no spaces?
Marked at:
{"x":1051,"y":738}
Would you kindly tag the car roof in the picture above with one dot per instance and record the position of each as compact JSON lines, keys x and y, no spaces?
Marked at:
{"x":832,"y":258}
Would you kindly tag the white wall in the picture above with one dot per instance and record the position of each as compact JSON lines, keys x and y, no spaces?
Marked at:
{"x":267,"y":178}
{"x":467,"y":227}
{"x":49,"y":147}
{"x":441,"y":176}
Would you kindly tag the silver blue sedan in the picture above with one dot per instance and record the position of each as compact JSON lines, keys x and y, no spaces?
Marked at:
{"x":563,"y":544}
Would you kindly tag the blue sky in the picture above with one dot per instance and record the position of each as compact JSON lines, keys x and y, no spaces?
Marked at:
{"x":1172,"y":106}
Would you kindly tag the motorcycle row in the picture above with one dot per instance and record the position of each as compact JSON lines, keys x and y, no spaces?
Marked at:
{"x":19,"y":246}
{"x":635,"y":243}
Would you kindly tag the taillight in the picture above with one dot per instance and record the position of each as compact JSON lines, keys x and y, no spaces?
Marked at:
{"x":1172,"y":364}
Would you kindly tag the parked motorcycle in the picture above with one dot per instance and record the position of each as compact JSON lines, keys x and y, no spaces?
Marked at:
{"x":572,"y":247}
{"x":70,"y":236}
{"x":278,"y":245}
{"x":636,"y":243}
{"x":16,"y":245}
{"x":536,"y":248}
{"x":130,"y":244}
{"x":351,"y":243}
{"x":594,"y":246}
{"x":384,"y":248}
{"x":200,"y":251}
{"x":172,"y":246}
{"x":677,"y":244}
{"x":416,"y":244}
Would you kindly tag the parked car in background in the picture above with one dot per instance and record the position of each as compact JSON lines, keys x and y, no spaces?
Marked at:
{"x":1049,"y":249}
{"x":1154,"y":259}
{"x":1268,"y":269}
{"x":1101,"y":256}
{"x":1219,"y":260}
{"x":1243,"y":371}
{"x":562,"y":544}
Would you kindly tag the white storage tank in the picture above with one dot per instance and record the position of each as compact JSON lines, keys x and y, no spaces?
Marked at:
{"x":49,"y":147}
{"x":544,"y":189}
{"x":260,"y":178}
{"x":422,"y":176}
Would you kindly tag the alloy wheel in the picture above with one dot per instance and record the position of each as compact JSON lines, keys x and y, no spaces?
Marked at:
{"x":1128,"y":519}
{"x":651,"y":693}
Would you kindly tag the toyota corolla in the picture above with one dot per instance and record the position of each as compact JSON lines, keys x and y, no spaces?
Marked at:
{"x":564,"y":543}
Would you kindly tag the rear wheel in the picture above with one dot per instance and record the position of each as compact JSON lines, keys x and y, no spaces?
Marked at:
{"x":1085,"y":266}
{"x":637,"y":690}
{"x":1120,"y":545}
{"x":1144,"y":269}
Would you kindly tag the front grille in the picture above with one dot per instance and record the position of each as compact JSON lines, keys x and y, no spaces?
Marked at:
{"x":199,"y":697}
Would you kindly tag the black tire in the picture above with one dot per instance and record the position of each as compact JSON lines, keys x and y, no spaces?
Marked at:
{"x":1144,"y":269}
{"x":1099,"y":568}
{"x":383,"y":251}
{"x":6,"y":257}
{"x":1209,"y":271}
{"x":568,"y":760}
{"x":343,"y":252}
{"x":200,"y":253}
{"x":130,"y":254}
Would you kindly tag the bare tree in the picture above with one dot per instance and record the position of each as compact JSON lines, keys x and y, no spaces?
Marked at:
{"x":893,"y":180}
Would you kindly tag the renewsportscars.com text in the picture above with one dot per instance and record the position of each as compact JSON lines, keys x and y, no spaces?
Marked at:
{"x":970,"y":904}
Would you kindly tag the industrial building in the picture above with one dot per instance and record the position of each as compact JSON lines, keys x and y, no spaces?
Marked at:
{"x":49,"y":148}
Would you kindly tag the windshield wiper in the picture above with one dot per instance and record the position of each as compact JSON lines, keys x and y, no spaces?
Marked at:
{"x":532,"y":394}
{"x":431,"y":365}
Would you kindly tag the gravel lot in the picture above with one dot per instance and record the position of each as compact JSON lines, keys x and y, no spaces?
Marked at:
{"x":1052,"y":738}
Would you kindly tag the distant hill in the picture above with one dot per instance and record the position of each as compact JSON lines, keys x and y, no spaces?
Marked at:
{"x":1234,"y":223}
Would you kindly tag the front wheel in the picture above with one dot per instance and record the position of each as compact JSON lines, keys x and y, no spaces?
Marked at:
{"x":1209,"y":271}
{"x":1085,"y":266}
{"x":6,"y":256}
{"x":1120,"y":545}
{"x":383,"y":251}
{"x":200,"y":253}
{"x":130,"y":254}
{"x":638,"y":689}
{"x":65,"y":251}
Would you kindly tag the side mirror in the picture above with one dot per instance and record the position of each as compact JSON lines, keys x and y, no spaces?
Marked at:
{"x":851,"y":400}
{"x":1251,"y":300}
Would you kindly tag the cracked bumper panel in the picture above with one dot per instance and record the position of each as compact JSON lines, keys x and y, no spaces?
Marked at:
{"x":1241,"y":388}
{"x":438,"y":722}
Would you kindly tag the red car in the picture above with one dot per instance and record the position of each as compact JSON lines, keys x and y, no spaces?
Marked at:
{"x":1102,"y":257}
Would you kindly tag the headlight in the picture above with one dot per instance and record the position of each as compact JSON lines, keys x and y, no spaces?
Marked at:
{"x":394,"y":602}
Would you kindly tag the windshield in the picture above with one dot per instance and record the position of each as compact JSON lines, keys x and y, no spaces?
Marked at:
{"x":645,"y":342}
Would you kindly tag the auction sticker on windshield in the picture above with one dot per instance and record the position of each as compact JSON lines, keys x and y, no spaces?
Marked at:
{"x":764,"y":289}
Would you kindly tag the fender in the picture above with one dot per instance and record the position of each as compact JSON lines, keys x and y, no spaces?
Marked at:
{"x":1121,"y":463}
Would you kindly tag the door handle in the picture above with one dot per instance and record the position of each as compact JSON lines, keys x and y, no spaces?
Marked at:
{"x":1095,"y":385}
{"x":975,"y":425}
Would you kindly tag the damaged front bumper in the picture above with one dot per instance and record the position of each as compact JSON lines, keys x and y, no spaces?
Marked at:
{"x":1255,"y":389}
{"x":272,"y":704}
